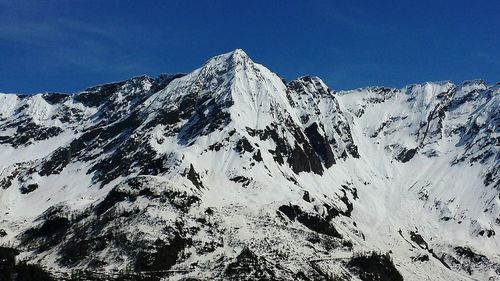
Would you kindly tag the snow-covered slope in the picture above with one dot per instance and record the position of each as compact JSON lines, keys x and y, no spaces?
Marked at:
{"x":229,"y":172}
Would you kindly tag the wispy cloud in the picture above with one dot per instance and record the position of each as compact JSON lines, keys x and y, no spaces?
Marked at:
{"x":345,"y":14}
{"x":487,"y":57}
{"x":66,"y":41}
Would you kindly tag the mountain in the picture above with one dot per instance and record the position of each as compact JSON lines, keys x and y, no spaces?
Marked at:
{"x":231,"y":173}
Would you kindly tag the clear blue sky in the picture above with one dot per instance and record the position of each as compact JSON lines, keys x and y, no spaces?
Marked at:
{"x":69,"y":45}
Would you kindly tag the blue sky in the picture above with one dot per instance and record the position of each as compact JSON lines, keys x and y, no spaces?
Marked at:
{"x":69,"y":45}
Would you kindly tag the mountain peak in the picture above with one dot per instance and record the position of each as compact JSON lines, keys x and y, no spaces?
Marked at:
{"x":229,"y":60}
{"x":239,"y":54}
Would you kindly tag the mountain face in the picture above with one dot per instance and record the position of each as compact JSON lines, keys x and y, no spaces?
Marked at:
{"x":230,"y":173}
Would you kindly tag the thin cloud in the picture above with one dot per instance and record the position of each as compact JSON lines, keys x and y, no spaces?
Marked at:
{"x":69,"y":42}
{"x":350,"y":19}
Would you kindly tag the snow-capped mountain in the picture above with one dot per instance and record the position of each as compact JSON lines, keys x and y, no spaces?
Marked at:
{"x":230,"y":173}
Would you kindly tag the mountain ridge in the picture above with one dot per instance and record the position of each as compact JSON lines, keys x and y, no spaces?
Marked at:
{"x":229,"y":163}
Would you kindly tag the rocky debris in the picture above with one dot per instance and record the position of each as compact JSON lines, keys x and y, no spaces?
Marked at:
{"x":374,"y":266}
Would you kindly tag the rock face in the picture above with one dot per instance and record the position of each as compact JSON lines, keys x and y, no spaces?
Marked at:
{"x":229,"y":173}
